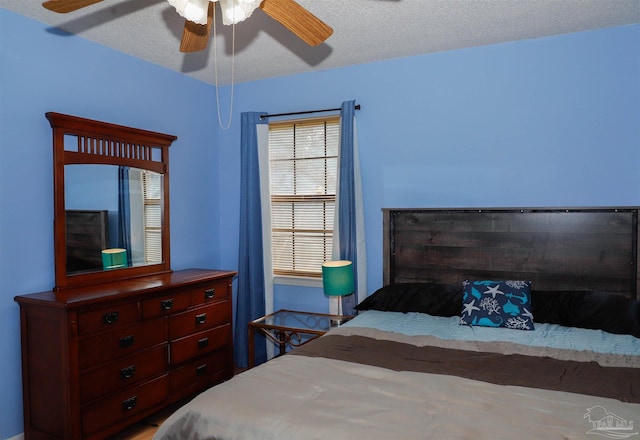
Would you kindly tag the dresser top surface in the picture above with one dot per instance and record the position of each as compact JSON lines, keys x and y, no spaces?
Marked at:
{"x":123,"y":288}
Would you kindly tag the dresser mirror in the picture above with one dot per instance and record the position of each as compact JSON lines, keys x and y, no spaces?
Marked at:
{"x":109,"y":207}
{"x":111,"y":201}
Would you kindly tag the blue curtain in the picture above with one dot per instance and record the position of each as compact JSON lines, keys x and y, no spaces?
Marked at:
{"x":124,"y":212}
{"x":251,"y":291}
{"x":347,"y":200}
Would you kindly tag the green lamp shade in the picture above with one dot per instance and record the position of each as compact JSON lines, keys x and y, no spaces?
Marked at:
{"x":337,"y":278}
{"x":114,"y":258}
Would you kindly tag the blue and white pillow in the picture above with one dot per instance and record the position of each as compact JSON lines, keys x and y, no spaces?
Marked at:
{"x":497,"y":304}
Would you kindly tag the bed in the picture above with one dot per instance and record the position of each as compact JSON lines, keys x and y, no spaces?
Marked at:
{"x":491,"y":323}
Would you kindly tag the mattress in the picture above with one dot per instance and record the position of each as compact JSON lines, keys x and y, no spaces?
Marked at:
{"x":398,"y":375}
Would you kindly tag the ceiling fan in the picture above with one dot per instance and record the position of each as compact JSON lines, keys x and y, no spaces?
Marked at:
{"x":199,"y":15}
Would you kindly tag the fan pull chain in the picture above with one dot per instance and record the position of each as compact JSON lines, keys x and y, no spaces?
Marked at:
{"x":233,"y":68}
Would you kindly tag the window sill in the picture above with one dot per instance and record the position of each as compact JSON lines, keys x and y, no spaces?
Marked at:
{"x":297,"y":281}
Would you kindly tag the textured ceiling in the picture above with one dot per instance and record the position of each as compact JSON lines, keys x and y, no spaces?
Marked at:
{"x":364,"y":31}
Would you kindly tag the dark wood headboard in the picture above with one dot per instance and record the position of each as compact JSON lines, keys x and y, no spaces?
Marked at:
{"x":555,"y":248}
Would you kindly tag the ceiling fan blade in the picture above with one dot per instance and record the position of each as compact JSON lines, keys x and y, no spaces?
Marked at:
{"x":195,"y":37}
{"x":298,"y":20}
{"x":64,"y":6}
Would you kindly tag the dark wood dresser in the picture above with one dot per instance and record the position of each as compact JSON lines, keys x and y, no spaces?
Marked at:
{"x":97,"y":359}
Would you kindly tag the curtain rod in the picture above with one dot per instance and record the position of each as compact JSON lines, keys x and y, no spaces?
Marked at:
{"x":357,"y":107}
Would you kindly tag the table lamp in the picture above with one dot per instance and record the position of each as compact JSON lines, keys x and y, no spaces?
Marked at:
{"x":338,"y":280}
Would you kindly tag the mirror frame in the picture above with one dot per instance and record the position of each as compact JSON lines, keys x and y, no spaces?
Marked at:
{"x":108,"y":144}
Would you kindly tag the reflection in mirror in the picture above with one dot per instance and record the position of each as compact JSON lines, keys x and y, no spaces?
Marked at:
{"x":113,"y":217}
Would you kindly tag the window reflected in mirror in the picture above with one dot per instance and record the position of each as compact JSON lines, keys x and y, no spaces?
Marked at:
{"x":113,"y":217}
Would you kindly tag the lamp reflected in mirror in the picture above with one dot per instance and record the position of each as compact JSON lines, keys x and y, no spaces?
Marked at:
{"x":114,"y":259}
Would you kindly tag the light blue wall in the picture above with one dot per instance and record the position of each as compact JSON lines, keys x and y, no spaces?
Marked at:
{"x":549,"y":122}
{"x":42,"y":72}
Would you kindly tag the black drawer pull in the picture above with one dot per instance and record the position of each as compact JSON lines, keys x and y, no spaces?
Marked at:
{"x":201,"y":318}
{"x":167,"y":304}
{"x":129,"y":404}
{"x":201,"y":370}
{"x":128,"y":372}
{"x":209,"y":293}
{"x":110,"y":318}
{"x":127,"y":341}
{"x":203,"y":343}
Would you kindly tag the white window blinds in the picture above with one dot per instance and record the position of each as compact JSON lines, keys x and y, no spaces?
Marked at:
{"x":303,"y":168}
{"x":152,"y":196}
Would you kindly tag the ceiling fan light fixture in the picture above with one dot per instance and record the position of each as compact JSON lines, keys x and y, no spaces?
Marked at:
{"x":192,"y":10}
{"x":233,"y":11}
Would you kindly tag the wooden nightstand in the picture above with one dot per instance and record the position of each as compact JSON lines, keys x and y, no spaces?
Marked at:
{"x":293,"y":328}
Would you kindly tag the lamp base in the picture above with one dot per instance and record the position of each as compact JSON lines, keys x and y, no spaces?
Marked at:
{"x":337,"y":321}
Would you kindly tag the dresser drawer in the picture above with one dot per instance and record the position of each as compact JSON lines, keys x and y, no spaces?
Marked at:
{"x":202,"y":373}
{"x":165,"y":305}
{"x":107,"y":318}
{"x":124,"y":405}
{"x":123,"y":373}
{"x":197,"y":320}
{"x":121,"y":342}
{"x":199,"y":344}
{"x":214,"y":291}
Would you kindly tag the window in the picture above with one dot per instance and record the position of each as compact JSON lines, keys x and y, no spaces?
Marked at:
{"x":303,"y":168}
